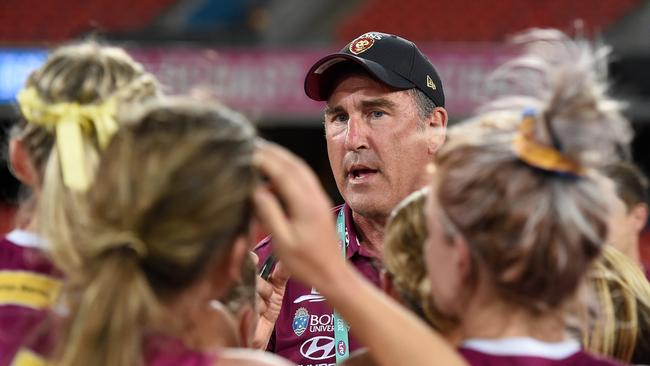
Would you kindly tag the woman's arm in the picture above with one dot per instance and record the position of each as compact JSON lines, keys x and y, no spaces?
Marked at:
{"x":305,"y":240}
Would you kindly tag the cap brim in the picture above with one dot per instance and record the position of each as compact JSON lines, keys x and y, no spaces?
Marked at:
{"x":318,"y":76}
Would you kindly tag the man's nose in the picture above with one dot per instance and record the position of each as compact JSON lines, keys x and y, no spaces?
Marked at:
{"x":357,"y":134}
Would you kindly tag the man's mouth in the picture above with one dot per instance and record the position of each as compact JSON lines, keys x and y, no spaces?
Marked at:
{"x":361,"y":174}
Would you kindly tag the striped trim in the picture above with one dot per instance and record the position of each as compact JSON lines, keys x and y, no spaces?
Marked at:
{"x":27,"y":358}
{"x":28,"y":289}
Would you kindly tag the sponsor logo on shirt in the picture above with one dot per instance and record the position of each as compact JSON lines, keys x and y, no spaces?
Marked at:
{"x":299,"y":324}
{"x":313,"y":296}
{"x":318,"y":348}
{"x":321,"y":323}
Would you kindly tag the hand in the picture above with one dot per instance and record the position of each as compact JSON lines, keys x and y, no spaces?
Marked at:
{"x":269,"y":302}
{"x":305,"y":237}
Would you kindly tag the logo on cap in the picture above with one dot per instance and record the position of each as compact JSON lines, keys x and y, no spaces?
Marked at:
{"x":430,"y":83}
{"x":361,"y":44}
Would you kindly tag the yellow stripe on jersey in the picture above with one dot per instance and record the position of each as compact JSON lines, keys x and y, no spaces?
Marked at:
{"x":28,"y":289}
{"x":27,"y":358}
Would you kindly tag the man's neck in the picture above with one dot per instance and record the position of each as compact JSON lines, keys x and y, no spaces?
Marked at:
{"x":370,"y":231}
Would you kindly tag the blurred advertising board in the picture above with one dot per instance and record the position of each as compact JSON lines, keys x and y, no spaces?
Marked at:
{"x":269,"y":83}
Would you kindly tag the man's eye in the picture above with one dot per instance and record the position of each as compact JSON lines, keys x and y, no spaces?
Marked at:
{"x":340,"y":117}
{"x":377,"y":114}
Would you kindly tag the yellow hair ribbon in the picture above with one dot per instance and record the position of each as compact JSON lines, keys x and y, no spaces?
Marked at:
{"x":539,"y":155}
{"x":69,"y":121}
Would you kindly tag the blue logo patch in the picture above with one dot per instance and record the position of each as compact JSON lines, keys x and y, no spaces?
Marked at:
{"x":300,"y":320}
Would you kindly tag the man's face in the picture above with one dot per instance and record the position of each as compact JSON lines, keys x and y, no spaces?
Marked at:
{"x":378,"y":146}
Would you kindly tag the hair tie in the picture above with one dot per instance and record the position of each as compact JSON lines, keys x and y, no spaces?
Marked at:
{"x":69,"y":121}
{"x":539,"y":155}
{"x":125,"y":240}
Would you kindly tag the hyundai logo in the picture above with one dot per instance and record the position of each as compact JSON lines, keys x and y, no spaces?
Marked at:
{"x":318,"y":348}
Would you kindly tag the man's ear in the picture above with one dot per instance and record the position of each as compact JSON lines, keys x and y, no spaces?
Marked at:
{"x":21,"y":164}
{"x":639,"y":216}
{"x":437,"y":127}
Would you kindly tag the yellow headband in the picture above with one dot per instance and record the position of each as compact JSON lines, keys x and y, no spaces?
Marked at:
{"x":69,"y":121}
{"x":539,"y":155}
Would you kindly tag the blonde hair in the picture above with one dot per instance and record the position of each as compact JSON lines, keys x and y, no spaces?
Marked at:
{"x":403,"y":258}
{"x":535,"y":230}
{"x":85,"y":75}
{"x":622,"y":298}
{"x":174,"y":194}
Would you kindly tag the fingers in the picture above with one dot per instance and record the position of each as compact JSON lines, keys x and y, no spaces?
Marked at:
{"x":280,"y":275}
{"x":270,"y":213}
{"x":290,"y":177}
{"x":254,"y":258}
{"x":264,"y":289}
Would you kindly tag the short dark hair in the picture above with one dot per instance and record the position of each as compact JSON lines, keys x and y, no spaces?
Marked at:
{"x":631,"y":183}
{"x":424,"y":104}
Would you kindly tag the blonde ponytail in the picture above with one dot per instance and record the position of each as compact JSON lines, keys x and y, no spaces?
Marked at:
{"x":109,"y":304}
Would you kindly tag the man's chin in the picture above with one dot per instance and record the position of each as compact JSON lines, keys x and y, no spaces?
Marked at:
{"x":368,"y":205}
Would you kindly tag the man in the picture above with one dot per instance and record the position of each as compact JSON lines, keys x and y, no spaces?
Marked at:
{"x":630,"y":211}
{"x":384,"y":120}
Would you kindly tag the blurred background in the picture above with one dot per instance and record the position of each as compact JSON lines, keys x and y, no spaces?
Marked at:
{"x":253,"y":54}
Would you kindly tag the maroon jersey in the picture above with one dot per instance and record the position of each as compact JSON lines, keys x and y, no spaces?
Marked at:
{"x":528,"y":352}
{"x":304,"y":331}
{"x":158,"y":351}
{"x":28,"y":286}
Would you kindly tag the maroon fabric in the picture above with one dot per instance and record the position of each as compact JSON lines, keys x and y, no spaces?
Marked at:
{"x":646,"y":269}
{"x":164,"y":351}
{"x":17,"y":322}
{"x":160,"y":350}
{"x":476,"y":358}
{"x":304,"y":331}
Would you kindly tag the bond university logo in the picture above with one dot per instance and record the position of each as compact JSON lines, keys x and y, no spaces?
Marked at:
{"x":430,"y":83}
{"x":363,"y":43}
{"x":300,"y":321}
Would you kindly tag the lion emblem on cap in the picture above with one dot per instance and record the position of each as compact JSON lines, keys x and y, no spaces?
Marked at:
{"x":361,"y":44}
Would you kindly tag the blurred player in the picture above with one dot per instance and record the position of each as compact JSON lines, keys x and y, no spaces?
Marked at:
{"x":619,"y":325}
{"x":68,"y":108}
{"x":630,"y":211}
{"x":155,"y":241}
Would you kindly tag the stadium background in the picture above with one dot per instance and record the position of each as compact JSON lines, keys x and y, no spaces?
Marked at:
{"x":253,"y":54}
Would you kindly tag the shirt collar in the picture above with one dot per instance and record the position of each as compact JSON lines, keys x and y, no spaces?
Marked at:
{"x":523,"y":347}
{"x":354,"y":245}
{"x":26,"y":239}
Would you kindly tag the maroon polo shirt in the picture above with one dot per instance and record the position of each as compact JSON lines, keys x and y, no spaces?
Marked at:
{"x":304,"y":331}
